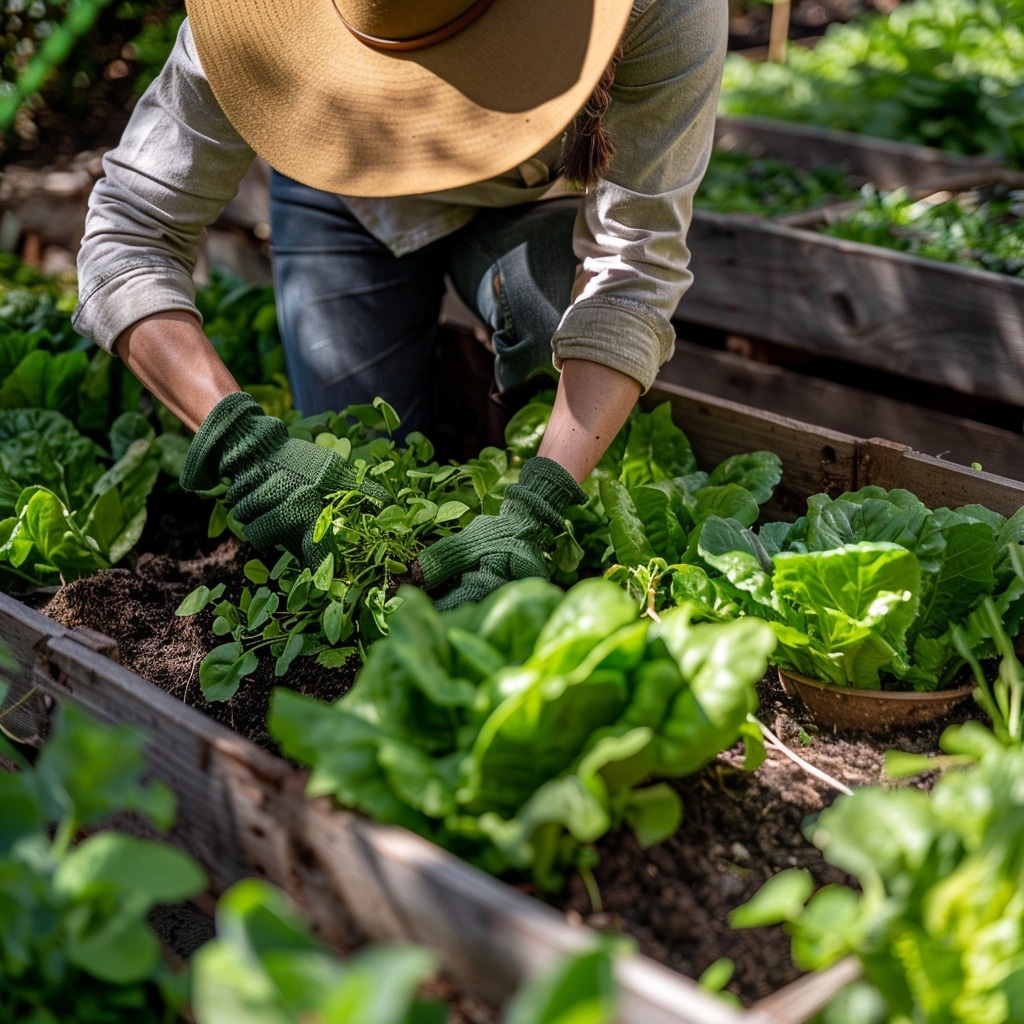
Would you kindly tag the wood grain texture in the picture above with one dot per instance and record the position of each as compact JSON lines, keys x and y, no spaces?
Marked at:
{"x":853,"y":411}
{"x":928,"y":321}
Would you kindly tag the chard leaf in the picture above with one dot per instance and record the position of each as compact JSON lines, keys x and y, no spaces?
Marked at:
{"x":626,"y":528}
{"x":656,"y":449}
{"x":656,"y":506}
{"x":757,"y":472}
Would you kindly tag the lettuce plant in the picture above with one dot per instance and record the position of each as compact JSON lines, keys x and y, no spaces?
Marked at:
{"x":647,"y":496}
{"x":938,"y":921}
{"x":65,"y":512}
{"x":517,"y":731}
{"x":869,"y":589}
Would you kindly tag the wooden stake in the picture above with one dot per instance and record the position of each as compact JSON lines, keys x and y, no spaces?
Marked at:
{"x":778,"y":31}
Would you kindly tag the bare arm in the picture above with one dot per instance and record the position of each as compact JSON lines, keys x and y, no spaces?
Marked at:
{"x":171,"y":356}
{"x":591,"y":405}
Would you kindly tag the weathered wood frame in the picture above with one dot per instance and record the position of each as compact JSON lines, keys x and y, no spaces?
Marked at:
{"x":779,"y":280}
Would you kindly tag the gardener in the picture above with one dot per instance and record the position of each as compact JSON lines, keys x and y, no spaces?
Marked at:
{"x":542,"y":153}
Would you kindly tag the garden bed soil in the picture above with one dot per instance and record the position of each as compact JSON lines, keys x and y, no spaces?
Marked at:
{"x":673,"y":899}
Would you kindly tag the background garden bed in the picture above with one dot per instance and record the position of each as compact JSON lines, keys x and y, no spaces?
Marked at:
{"x":242,"y":809}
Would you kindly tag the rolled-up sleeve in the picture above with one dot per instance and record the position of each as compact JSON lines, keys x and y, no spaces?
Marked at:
{"x":630,"y":235}
{"x":176,"y":166}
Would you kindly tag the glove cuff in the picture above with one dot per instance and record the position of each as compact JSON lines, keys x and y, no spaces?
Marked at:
{"x":230,"y":421}
{"x":552,"y":483}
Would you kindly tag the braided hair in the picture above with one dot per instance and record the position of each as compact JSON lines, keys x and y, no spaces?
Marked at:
{"x":587,"y":148}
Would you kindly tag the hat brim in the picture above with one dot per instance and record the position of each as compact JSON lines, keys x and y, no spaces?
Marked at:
{"x":326,"y":109}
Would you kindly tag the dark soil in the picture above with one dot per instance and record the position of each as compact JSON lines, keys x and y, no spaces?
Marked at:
{"x":673,"y":899}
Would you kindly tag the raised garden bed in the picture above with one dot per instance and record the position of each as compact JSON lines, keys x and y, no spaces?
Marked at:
{"x":243,"y":812}
{"x":792,"y":296}
{"x":884,"y":163}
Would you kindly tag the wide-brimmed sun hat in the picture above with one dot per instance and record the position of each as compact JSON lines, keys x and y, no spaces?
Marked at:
{"x":398,"y":97}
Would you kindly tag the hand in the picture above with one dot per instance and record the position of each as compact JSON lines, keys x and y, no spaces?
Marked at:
{"x":495,"y":549}
{"x":277,"y":483}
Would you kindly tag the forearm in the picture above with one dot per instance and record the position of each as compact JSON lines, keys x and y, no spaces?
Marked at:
{"x":173,"y":358}
{"x":591,"y":405}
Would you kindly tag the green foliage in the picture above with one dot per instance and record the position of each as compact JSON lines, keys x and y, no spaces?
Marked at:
{"x":71,"y":57}
{"x":55,"y":41}
{"x":870,"y":589}
{"x":45,"y":364}
{"x":944,"y":73}
{"x":938,"y":923}
{"x":518,"y":731}
{"x":265,"y":967}
{"x":66,"y":514}
{"x":983,"y":228}
{"x":647,"y":498}
{"x":344,"y":605}
{"x":739,"y":183}
{"x":75,"y":945}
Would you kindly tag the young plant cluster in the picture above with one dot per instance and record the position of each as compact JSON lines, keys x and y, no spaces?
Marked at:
{"x":982,"y":228}
{"x":737,"y":182}
{"x":335,"y":610}
{"x":75,"y":943}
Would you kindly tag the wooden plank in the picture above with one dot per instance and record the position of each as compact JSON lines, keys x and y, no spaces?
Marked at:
{"x":22,"y":632}
{"x":884,"y":162}
{"x":939,"y":484}
{"x":828,"y":404}
{"x":813,"y":459}
{"x":242,"y":811}
{"x":955,"y":327}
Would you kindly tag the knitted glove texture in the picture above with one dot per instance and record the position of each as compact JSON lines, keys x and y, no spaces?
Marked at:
{"x":277,"y":483}
{"x":496,"y":549}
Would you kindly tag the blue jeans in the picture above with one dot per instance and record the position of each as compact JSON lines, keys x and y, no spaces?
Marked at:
{"x":358,"y":322}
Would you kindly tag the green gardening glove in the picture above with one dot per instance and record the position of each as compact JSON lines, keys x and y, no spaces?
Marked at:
{"x":277,"y":482}
{"x":496,"y":549}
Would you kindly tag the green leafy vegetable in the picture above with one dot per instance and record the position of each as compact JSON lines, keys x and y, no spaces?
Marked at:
{"x":518,"y":731}
{"x":983,"y":228}
{"x":943,"y":73}
{"x":870,"y":589}
{"x":336,"y":611}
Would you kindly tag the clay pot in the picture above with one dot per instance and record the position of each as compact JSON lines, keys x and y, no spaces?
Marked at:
{"x":847,"y":707}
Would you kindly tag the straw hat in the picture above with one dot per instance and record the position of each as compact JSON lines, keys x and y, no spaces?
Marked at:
{"x":398,"y":97}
